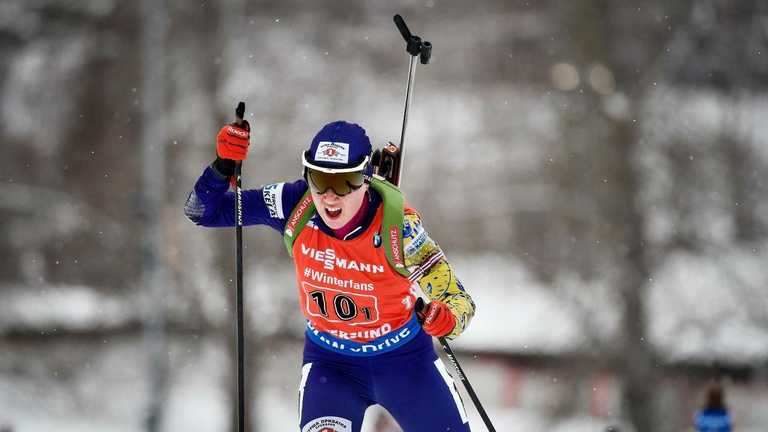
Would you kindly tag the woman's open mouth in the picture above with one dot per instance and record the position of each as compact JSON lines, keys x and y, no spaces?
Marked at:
{"x":333,"y":212}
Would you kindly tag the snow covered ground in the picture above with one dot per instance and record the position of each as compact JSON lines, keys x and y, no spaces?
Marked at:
{"x":97,"y":386}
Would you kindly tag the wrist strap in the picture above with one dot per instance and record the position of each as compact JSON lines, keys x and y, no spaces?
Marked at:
{"x":224,"y":167}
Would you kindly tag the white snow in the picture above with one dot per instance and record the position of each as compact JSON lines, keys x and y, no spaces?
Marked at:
{"x":712,"y":307}
{"x":515,"y":312}
{"x":52,"y":307}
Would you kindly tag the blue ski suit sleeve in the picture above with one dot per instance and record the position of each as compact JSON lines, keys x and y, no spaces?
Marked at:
{"x":210,"y":204}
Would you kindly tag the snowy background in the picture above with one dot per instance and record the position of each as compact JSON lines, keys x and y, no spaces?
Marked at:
{"x":596,"y":171}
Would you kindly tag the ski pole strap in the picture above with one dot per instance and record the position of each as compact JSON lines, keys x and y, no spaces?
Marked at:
{"x":391,"y":225}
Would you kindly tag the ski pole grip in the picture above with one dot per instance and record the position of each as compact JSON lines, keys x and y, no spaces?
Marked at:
{"x":240,"y":113}
{"x":400,"y":23}
{"x":419,"y":307}
{"x":413,"y":43}
{"x":419,"y":304}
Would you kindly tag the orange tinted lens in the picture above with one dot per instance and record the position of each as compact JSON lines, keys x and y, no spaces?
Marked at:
{"x":340,"y":183}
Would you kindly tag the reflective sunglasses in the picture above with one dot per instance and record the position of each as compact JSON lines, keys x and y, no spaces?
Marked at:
{"x":340,"y":183}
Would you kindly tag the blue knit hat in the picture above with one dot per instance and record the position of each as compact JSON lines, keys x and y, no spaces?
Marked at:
{"x":339,"y":147}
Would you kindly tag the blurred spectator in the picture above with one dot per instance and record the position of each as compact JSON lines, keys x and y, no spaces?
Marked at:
{"x":713,"y":417}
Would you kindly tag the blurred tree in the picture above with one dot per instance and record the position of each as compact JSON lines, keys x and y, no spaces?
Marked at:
{"x":152,"y":199}
{"x":722,"y":51}
{"x":617,"y":49}
{"x":68,"y":55}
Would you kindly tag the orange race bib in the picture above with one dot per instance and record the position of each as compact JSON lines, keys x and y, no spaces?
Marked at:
{"x":347,"y":288}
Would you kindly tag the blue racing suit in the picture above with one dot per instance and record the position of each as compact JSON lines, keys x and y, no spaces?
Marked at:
{"x":407,"y":379}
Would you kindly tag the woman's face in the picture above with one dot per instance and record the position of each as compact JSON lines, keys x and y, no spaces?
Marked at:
{"x":335,"y":210}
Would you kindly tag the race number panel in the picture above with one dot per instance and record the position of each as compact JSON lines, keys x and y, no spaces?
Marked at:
{"x":340,"y":306}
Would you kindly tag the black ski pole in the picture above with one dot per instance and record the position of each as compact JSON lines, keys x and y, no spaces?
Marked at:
{"x":239,"y":326}
{"x":463,"y":377}
{"x":415,"y":48}
{"x":423,"y":49}
{"x":467,"y":385}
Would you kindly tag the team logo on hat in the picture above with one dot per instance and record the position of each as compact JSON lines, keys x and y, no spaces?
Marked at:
{"x":335,"y":152}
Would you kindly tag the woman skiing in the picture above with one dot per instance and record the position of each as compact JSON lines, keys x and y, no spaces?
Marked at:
{"x":358,"y":253}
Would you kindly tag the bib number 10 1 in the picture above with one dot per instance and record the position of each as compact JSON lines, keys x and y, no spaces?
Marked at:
{"x":337,"y":306}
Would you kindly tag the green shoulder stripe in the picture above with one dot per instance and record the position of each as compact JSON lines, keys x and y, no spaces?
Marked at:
{"x":392,"y":225}
{"x":300,"y":215}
